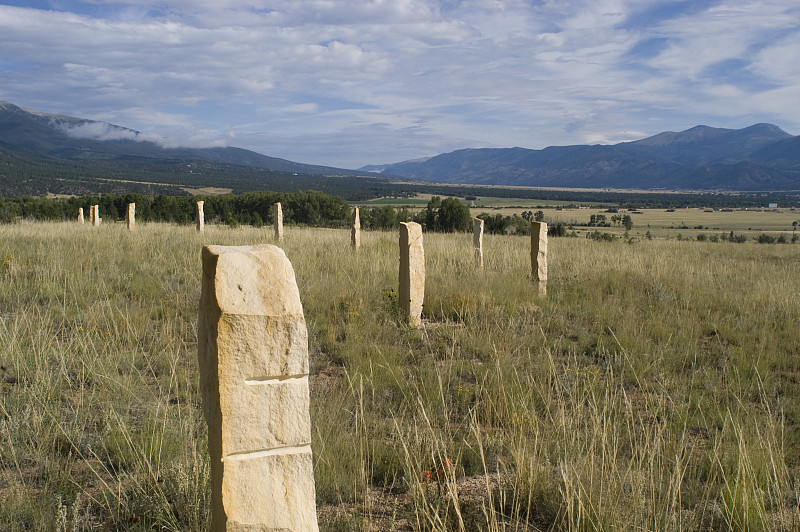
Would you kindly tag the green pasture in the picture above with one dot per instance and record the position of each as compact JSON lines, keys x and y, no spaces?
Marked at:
{"x":660,"y":222}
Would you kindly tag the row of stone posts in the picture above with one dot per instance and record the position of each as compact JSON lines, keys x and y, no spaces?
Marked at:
{"x":253,"y":358}
{"x":277,"y":217}
{"x":94,"y":215}
{"x":409,"y":234}
{"x":411,"y":292}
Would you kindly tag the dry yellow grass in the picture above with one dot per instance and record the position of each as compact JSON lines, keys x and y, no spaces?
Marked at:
{"x":653,"y":389}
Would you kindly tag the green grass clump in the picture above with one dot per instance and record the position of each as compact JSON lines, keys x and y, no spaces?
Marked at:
{"x":654,"y":388}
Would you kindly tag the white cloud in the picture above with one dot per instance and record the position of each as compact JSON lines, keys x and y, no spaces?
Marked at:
{"x":105,"y":131}
{"x":416,"y":74}
{"x":99,"y":131}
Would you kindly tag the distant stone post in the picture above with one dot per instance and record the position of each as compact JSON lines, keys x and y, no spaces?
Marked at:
{"x":477,"y":240}
{"x":412,"y":272}
{"x":355,"y":231}
{"x":253,"y":357}
{"x":277,"y":220}
{"x":80,"y":215}
{"x":96,"y":215}
{"x":200,"y":217}
{"x":131,"y":216}
{"x":539,"y":255}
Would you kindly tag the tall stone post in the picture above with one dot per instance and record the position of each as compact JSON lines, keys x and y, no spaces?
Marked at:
{"x":96,"y":215}
{"x":200,"y":217}
{"x":539,"y":255}
{"x":80,"y":215}
{"x":412,"y":272}
{"x":277,"y":220}
{"x":355,"y":231}
{"x":131,"y":216}
{"x":253,"y":356}
{"x":477,"y":240}
{"x":91,"y":214}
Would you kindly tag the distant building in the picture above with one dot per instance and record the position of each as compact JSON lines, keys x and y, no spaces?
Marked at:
{"x":773,"y":205}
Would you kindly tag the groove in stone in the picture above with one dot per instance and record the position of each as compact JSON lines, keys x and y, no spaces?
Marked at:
{"x":277,"y":451}
{"x":280,"y":379}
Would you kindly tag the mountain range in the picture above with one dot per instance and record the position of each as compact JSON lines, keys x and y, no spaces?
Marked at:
{"x":34,"y":144}
{"x":73,"y":138}
{"x":759,"y":157}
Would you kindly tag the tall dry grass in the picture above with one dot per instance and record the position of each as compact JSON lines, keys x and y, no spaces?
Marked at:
{"x":654,"y":388}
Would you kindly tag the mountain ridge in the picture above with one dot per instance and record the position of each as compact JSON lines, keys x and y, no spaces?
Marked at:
{"x":57,"y":135}
{"x":758,"y":157}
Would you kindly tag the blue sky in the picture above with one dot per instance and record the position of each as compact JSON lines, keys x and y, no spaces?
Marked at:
{"x":354,"y":82}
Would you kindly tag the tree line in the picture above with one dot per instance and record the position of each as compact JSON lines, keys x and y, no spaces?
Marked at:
{"x":308,"y":208}
{"x":311,"y":208}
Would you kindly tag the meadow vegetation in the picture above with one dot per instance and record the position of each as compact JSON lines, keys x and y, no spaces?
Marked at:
{"x":654,"y":388}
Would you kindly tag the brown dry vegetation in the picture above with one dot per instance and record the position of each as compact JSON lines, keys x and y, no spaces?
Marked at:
{"x":654,"y":388}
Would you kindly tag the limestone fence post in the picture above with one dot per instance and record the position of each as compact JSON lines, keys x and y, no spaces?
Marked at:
{"x":412,"y":273}
{"x":539,"y":255}
{"x":253,"y":357}
{"x":80,"y":215}
{"x":355,"y":231}
{"x":131,"y":216}
{"x":200,"y":217}
{"x":96,"y":215}
{"x":277,"y":220}
{"x":477,"y":240}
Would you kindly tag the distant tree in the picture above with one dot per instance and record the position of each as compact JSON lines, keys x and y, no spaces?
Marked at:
{"x":382,"y":218}
{"x":404,"y":215}
{"x":428,"y":216}
{"x":598,"y":220}
{"x":557,"y":229}
{"x":627,"y":221}
{"x":232,"y":222}
{"x":452,"y":216}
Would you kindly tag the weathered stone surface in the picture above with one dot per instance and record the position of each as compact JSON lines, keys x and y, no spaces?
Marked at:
{"x":355,"y":230}
{"x":200,"y":217}
{"x":477,"y":240}
{"x":412,"y":272}
{"x":277,"y":220}
{"x":131,"y":216}
{"x":96,"y":215}
{"x":539,"y":254}
{"x":80,"y":215}
{"x":253,"y":355}
{"x":285,"y":479}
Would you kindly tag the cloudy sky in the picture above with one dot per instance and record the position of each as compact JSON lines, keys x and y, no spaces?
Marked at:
{"x":354,"y":82}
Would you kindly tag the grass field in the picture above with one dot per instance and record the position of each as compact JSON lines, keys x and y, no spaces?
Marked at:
{"x":663,"y":223}
{"x":693,"y":221}
{"x":482,"y":203}
{"x":654,"y":388}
